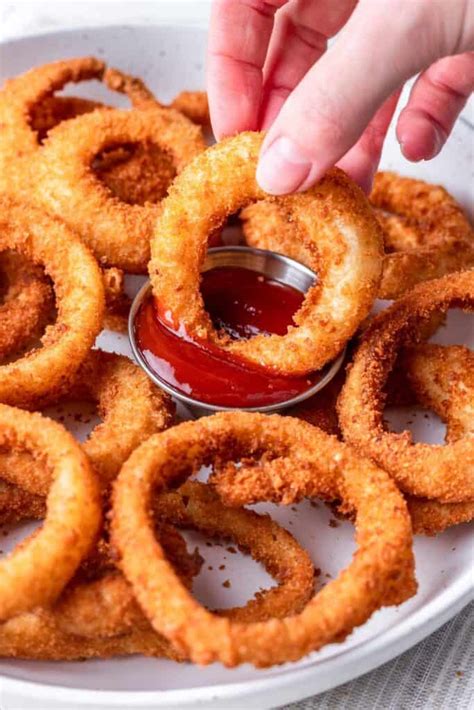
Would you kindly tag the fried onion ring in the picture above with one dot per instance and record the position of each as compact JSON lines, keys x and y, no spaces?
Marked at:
{"x":136,"y":174}
{"x":428,"y":517}
{"x":37,"y":571}
{"x":108,"y":607}
{"x":426,"y":236}
{"x":117,"y":233}
{"x":319,"y":466}
{"x":79,"y":299}
{"x":131,"y":407}
{"x":21,"y":96}
{"x":103,"y":606}
{"x":442,"y":379}
{"x":444,"y":473}
{"x":27,"y":303}
{"x":334,"y":214}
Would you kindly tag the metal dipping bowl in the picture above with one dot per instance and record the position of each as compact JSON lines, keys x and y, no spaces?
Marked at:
{"x":273,"y":266}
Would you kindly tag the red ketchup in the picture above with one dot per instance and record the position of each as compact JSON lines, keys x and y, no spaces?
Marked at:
{"x":242,"y":303}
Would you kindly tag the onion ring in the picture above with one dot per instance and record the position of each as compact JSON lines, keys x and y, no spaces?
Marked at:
{"x":131,"y":407}
{"x":37,"y":571}
{"x":444,"y":473}
{"x":108,"y":607}
{"x":116,"y":232}
{"x":427,"y":233}
{"x":221,"y":181}
{"x":427,"y":237}
{"x":105,"y":608}
{"x":27,"y":304}
{"x":429,"y":517}
{"x":442,"y":379}
{"x":319,"y":465}
{"x":20,"y":96}
{"x":79,"y":299}
{"x":135,"y":174}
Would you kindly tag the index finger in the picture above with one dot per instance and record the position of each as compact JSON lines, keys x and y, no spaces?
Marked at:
{"x":239,"y":36}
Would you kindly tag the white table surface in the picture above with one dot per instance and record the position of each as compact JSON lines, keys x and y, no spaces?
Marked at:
{"x":437,"y":674}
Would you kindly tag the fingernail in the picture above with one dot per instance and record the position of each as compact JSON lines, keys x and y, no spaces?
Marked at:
{"x":438,"y":142}
{"x":283,"y":167}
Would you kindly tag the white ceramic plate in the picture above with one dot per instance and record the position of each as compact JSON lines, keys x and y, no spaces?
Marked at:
{"x":170,"y":59}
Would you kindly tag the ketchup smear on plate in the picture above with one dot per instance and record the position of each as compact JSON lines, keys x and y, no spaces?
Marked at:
{"x":242,"y":303}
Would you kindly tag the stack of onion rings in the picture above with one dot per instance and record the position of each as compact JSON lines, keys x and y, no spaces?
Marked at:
{"x":319,"y":465}
{"x":99,"y":607}
{"x":334,"y":215}
{"x":21,"y":96}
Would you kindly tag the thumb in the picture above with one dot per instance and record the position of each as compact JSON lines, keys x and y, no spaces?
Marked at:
{"x":383,"y":44}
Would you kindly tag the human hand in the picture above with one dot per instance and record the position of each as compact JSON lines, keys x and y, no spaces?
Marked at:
{"x":268,"y":68}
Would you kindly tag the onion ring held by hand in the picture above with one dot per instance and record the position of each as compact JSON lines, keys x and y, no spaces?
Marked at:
{"x":131,"y":407}
{"x":444,"y":473}
{"x":37,"y":571}
{"x":27,"y":303}
{"x":319,"y":466}
{"x":65,"y":184}
{"x":335,"y":215}
{"x":79,"y":296}
{"x":427,"y":236}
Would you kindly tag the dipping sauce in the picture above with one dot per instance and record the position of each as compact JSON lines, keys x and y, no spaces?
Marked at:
{"x":242,"y":303}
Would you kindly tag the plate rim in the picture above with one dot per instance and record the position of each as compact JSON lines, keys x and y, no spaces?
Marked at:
{"x":401,"y":637}
{"x":306,"y":680}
